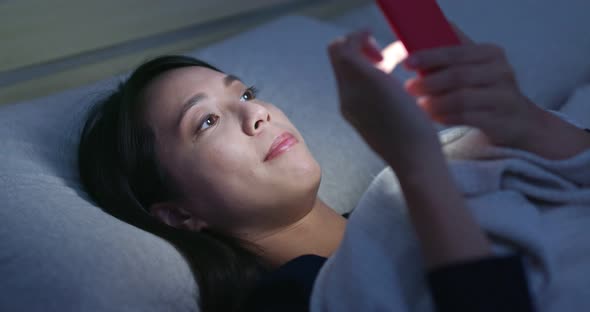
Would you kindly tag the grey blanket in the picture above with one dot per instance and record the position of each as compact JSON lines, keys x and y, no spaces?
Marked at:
{"x":527,"y":204}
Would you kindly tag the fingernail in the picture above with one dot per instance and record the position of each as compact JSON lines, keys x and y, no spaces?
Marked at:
{"x":374,"y":43}
{"x":422,"y":101}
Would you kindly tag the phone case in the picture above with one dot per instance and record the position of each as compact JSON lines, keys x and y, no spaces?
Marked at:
{"x":419,"y":24}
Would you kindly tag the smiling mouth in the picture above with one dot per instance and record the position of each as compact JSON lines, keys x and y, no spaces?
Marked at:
{"x":280,"y":145}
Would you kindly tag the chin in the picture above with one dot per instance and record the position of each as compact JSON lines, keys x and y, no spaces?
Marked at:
{"x":308,"y":174}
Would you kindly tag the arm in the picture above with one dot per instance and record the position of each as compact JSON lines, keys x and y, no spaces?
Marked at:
{"x":463,"y":273}
{"x":393,"y":125}
{"x":474,"y":84}
{"x":399,"y":131}
{"x":446,"y":229}
{"x":554,"y":138}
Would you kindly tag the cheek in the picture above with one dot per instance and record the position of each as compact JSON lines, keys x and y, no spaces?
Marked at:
{"x":279,"y":116}
{"x":282,"y":119}
{"x":227,"y":156}
{"x":222,"y":178}
{"x":222,"y":166}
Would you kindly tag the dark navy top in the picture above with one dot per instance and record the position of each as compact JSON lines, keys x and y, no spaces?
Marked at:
{"x":489,"y":284}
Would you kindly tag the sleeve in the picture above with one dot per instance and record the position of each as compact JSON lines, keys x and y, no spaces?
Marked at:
{"x":489,"y":284}
{"x":288,"y":289}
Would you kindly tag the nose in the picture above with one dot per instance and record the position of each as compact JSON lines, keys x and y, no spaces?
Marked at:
{"x":257,"y":118}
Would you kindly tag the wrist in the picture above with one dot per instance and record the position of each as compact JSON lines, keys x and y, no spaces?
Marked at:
{"x":553,"y":138}
{"x":415,"y":154}
{"x":446,"y":229}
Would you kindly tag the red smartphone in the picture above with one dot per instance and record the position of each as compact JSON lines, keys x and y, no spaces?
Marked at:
{"x":419,"y":24}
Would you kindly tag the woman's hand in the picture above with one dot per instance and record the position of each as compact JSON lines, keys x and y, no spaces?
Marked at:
{"x":473,"y":84}
{"x":376,"y":104}
{"x":389,"y":120}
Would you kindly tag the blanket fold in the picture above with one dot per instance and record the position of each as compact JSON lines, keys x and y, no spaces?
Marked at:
{"x":525,"y":203}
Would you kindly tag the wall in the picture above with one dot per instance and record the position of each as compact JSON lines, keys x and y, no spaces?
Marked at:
{"x":48,"y":46}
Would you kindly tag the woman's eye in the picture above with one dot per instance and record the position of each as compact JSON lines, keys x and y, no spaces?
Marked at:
{"x":209,"y":121}
{"x":249,"y":94}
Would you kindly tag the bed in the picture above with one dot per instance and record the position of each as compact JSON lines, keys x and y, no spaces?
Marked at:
{"x":61,"y":252}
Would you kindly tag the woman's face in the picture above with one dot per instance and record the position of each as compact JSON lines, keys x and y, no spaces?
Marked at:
{"x":240,"y":164}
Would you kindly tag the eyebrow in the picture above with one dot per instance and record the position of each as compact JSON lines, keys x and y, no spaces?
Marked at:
{"x":195,"y":99}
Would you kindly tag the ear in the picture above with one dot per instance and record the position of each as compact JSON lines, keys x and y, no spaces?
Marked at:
{"x":176,"y":216}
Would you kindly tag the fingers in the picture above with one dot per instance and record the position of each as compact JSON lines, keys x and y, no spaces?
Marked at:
{"x":457,"y":107}
{"x":430,"y":60}
{"x":457,"y":77}
{"x":357,"y":47}
{"x":372,"y":50}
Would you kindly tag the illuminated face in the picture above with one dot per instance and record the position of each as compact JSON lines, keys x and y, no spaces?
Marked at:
{"x":240,"y":164}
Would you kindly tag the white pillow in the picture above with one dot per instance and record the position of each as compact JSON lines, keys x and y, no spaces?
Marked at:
{"x":62,"y":253}
{"x":59,"y":251}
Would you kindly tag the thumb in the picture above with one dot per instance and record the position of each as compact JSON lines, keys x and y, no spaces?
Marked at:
{"x":358,"y":47}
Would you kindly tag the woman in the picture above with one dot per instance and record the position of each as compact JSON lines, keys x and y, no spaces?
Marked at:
{"x":183,"y":150}
{"x":191,"y":154}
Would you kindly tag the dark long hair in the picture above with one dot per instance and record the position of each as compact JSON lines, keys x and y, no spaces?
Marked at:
{"x":120,"y":172}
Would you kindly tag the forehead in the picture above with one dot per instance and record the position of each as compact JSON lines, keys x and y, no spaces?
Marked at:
{"x":165,"y":95}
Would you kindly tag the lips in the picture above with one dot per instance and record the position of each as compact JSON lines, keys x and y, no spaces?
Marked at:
{"x":281,"y":144}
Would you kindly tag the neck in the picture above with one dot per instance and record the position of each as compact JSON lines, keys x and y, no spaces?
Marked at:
{"x":318,"y":233}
